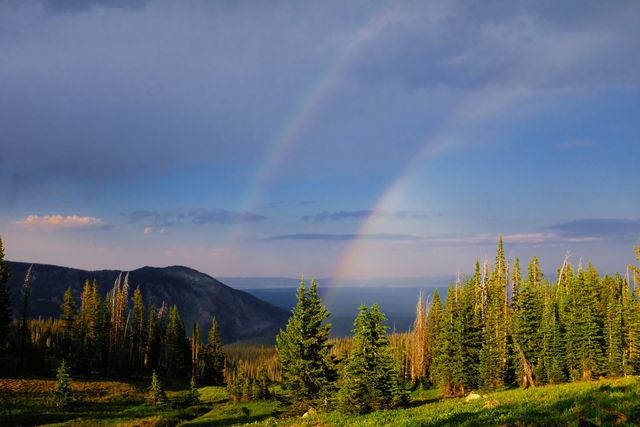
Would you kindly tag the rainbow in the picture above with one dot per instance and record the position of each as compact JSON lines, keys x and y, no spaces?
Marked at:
{"x":310,"y":104}
{"x":446,"y":137}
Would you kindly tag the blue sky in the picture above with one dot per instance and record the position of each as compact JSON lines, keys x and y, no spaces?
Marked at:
{"x":359,"y":139}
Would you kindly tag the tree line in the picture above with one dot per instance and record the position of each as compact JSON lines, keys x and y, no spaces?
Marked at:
{"x":114,"y":334}
{"x":500,"y":327}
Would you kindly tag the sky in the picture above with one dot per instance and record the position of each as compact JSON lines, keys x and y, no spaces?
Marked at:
{"x":360,"y":139}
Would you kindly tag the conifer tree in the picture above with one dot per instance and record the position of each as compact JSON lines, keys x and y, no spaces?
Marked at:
{"x":527,"y":320}
{"x":614,"y":325}
{"x":448,"y":342}
{"x":371,"y":378}
{"x":176,"y":344}
{"x":214,"y":357}
{"x":584,"y":335}
{"x":152,"y":345}
{"x":25,"y":336}
{"x":434,"y":326}
{"x":138,"y":330}
{"x":157,"y":395}
{"x":68,"y":308}
{"x":304,"y":351}
{"x":419,"y":346}
{"x":194,"y":395}
{"x":5,"y":299}
{"x":62,"y":394}
{"x":494,"y":356}
{"x":551,"y":362}
{"x":631,"y":322}
{"x":195,"y":349}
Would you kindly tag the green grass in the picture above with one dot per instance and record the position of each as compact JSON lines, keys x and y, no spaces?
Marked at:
{"x":108,"y":402}
{"x":95,"y":402}
{"x":602,"y":403}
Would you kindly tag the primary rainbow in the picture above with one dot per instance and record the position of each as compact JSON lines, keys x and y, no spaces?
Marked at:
{"x":310,"y":104}
{"x":440,"y":141}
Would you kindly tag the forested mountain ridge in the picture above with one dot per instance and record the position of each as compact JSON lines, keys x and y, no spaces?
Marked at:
{"x":198,"y":296}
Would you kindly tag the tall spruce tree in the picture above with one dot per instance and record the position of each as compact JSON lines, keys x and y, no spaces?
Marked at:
{"x":527,"y":320}
{"x":68,"y":317}
{"x":5,"y":299}
{"x":434,"y":326}
{"x":214,"y":357}
{"x":371,"y":378}
{"x":24,"y":332}
{"x":551,"y":361}
{"x":495,"y":356}
{"x":304,"y":351}
{"x":138,"y":331}
{"x":176,"y":345}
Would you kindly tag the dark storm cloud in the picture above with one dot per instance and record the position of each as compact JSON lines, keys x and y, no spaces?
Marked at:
{"x":606,"y":228}
{"x":222,"y":216}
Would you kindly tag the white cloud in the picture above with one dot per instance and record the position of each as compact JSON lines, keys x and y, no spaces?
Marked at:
{"x":60,"y":221}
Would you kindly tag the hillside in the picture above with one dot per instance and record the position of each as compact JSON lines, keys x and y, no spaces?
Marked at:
{"x":198,"y":296}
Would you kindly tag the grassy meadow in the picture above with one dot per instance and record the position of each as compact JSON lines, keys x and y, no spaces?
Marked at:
{"x":115,"y":402}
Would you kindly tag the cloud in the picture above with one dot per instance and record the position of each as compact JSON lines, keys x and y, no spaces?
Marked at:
{"x":341,"y":237}
{"x":157,"y":221}
{"x":603,"y":228}
{"x":153,"y":230}
{"x":575,"y":143}
{"x":470,"y":240}
{"x":222,"y":216}
{"x":61,"y":222}
{"x":341,"y":215}
{"x":337,"y":216}
{"x":77,"y":6}
{"x":160,"y":219}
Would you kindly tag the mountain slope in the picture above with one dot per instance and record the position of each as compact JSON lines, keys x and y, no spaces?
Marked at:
{"x":241,"y":316}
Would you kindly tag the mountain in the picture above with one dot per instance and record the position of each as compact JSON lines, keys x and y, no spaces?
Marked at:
{"x":241,"y":316}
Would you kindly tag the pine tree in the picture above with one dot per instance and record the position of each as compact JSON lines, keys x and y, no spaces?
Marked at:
{"x":157,"y":395}
{"x":371,"y":378}
{"x":138,"y":330}
{"x":304,"y":351}
{"x":195,"y":349}
{"x":527,"y":320}
{"x":494,"y":356}
{"x":584,"y":333}
{"x":5,"y":299}
{"x":551,"y":361}
{"x":194,"y":395}
{"x":25,"y":336}
{"x":419,"y":346}
{"x":214,"y":357}
{"x":62,"y":394}
{"x":68,"y":317}
{"x":434,"y":326}
{"x":176,"y":345}
{"x":614,"y":325}
{"x":152,"y":345}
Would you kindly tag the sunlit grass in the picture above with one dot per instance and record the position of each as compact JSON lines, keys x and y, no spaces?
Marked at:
{"x":604,"y":402}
